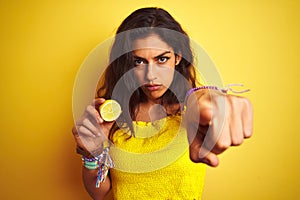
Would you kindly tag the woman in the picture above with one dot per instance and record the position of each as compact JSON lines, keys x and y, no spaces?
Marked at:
{"x":149,"y":74}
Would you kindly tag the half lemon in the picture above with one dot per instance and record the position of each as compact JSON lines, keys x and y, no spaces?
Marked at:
{"x":110,"y":110}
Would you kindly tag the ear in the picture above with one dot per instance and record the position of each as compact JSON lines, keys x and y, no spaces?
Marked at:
{"x":177,"y":58}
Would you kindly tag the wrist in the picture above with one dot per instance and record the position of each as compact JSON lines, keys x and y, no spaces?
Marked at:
{"x":84,"y":152}
{"x":223,"y":90}
{"x":90,"y":163}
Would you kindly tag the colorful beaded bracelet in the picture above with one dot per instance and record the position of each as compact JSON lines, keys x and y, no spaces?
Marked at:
{"x":90,"y":163}
{"x":103,"y":163}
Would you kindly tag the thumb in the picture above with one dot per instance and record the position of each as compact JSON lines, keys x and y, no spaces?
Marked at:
{"x":207,"y":157}
{"x":97,"y":102}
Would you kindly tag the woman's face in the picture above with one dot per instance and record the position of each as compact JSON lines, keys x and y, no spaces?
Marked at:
{"x":154,"y":62}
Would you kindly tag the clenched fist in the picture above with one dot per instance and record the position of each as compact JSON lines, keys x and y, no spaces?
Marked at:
{"x":215,"y":121}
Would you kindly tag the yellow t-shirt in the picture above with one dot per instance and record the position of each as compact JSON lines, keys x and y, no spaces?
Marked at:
{"x":155,"y":164}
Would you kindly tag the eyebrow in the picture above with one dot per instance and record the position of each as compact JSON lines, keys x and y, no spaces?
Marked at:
{"x":160,"y":55}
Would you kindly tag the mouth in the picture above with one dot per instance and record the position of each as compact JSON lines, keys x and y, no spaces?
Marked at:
{"x":152,"y":87}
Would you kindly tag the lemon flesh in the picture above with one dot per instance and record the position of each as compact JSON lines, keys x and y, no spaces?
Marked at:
{"x":110,"y":110}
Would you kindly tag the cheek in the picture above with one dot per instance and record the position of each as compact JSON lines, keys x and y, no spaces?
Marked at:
{"x":166,"y":76}
{"x":139,"y":75}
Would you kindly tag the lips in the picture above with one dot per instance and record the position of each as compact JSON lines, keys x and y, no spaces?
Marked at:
{"x":153,"y":87}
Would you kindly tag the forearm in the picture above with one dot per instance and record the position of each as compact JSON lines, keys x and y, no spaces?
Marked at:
{"x":89,"y":179}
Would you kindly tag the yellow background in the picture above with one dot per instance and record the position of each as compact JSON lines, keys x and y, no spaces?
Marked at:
{"x":43,"y":44}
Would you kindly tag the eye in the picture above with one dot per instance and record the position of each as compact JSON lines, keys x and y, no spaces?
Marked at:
{"x":162,"y":59}
{"x":138,"y":62}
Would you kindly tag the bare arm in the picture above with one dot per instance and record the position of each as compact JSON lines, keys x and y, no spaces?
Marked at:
{"x":90,"y":132}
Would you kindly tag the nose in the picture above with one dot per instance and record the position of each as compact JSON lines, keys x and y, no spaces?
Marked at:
{"x":150,"y":73}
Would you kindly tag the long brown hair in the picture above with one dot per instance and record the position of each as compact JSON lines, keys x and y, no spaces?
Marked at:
{"x":140,"y":24}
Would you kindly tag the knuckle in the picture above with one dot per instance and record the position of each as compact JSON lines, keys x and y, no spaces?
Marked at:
{"x":233,"y":102}
{"x":87,"y":108}
{"x":222,"y":145}
{"x":247,"y":103}
{"x":90,"y":109}
{"x":81,"y":129}
{"x":85,"y":121}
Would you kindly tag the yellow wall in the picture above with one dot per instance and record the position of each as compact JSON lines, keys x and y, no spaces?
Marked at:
{"x":43,"y":44}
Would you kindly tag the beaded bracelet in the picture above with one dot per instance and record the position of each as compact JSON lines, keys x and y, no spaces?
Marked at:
{"x":90,"y":163}
{"x":223,"y":90}
{"x":103,"y":163}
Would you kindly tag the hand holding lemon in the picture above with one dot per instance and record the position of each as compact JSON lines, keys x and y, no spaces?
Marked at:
{"x":110,"y":110}
{"x":90,"y":131}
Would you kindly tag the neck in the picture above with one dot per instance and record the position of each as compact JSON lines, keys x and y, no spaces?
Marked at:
{"x":150,"y":111}
{"x":151,"y":102}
